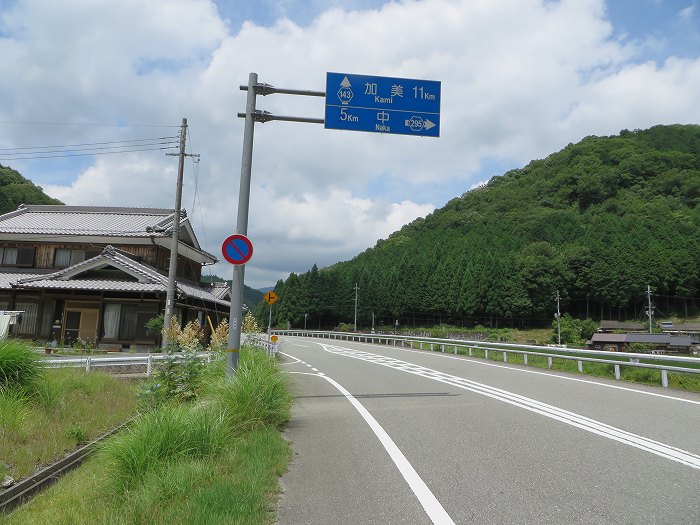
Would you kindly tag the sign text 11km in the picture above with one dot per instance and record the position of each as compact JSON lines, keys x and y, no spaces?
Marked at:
{"x":383,"y":104}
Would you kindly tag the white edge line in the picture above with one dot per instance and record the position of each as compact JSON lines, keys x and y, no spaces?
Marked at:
{"x":427,"y":499}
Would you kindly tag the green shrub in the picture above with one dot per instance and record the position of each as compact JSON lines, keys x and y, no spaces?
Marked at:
{"x":256,"y":395}
{"x":19,"y":365}
{"x":178,"y":377}
{"x":171,"y":432}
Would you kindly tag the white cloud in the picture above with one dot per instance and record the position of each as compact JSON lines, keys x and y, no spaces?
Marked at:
{"x":520,"y":79}
{"x":687,"y":12}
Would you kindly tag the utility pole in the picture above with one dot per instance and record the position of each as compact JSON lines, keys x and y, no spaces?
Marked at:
{"x":650,"y":308}
{"x":305,"y":316}
{"x":558,"y":321}
{"x":251,"y":116}
{"x":175,"y":239}
{"x":236,"y":312}
{"x":357,"y":289}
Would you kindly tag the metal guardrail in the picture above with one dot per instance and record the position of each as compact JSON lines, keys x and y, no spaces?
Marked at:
{"x":90,"y":362}
{"x":580,"y":355}
{"x":260,"y":340}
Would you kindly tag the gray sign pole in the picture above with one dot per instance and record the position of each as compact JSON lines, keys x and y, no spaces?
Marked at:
{"x":236,"y":313}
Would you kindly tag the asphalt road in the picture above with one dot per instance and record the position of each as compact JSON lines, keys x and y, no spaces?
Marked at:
{"x":386,"y":435}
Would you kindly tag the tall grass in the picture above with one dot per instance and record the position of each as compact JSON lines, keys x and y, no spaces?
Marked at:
{"x":213,"y":461}
{"x":19,"y":365}
{"x":65,"y":408}
{"x":256,"y":395}
{"x":161,"y":436}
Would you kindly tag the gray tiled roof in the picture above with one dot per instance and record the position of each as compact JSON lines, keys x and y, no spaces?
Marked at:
{"x":617,"y":325}
{"x":148,"y":278}
{"x":88,"y":220}
{"x":608,"y":338}
{"x":220,"y":291}
{"x":656,"y":339}
{"x":101,"y":221}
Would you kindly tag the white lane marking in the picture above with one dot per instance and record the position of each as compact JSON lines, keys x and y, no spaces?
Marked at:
{"x":427,"y":499}
{"x":295,"y":359}
{"x":537,"y":372}
{"x":558,"y":414}
{"x":314,"y":369}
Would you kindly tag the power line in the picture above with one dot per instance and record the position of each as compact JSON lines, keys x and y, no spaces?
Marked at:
{"x":119,"y":143}
{"x":86,"y":154}
{"x":90,"y":124}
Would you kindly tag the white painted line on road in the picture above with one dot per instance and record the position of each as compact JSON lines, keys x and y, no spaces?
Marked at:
{"x":427,"y":499}
{"x":538,"y":372}
{"x":558,"y":414}
{"x":295,"y":359}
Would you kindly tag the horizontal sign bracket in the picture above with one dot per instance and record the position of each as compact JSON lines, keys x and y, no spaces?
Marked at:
{"x":267,"y":89}
{"x":266,"y":116}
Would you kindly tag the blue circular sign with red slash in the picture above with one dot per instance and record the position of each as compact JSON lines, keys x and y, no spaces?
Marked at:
{"x":237,"y":249}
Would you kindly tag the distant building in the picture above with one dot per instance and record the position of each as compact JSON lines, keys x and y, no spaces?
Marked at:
{"x":616,"y":326}
{"x":100,"y":273}
{"x":691,"y":330}
{"x":622,"y":342}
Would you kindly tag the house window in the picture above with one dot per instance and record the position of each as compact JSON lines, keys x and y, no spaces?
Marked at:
{"x":63,"y":257}
{"x":126,"y":322}
{"x":17,"y":256}
{"x":9,"y":256}
{"x":30,"y":313}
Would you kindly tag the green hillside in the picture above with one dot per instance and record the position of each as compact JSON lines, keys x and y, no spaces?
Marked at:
{"x":598,"y":221}
{"x":16,"y":190}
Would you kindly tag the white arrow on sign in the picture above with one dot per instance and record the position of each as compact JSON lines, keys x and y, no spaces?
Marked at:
{"x":427,"y":124}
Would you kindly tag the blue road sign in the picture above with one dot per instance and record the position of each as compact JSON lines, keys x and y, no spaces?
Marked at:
{"x":237,"y":249}
{"x":383,"y":104}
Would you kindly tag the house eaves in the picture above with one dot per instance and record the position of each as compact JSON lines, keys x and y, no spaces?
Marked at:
{"x":148,"y":279}
{"x":101,"y":225}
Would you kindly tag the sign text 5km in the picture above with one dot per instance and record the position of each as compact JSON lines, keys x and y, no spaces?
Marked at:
{"x":382,"y":104}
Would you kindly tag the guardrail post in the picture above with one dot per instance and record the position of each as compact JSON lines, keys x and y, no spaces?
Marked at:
{"x":455,"y":349}
{"x":149,"y":366}
{"x":486,"y":353}
{"x":580,"y":366}
{"x":505,"y":357}
{"x":549,"y":362}
{"x":470,"y":351}
{"x":442,"y":348}
{"x":88,"y":364}
{"x":525,"y":359}
{"x":421,"y":345}
{"x":664,"y":378}
{"x":617,"y":372}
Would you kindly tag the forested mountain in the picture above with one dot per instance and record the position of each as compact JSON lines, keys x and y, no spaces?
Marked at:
{"x":599,"y":221}
{"x":16,"y":190}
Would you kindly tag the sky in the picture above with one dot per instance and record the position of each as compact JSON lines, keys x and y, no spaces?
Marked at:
{"x":520,"y":79}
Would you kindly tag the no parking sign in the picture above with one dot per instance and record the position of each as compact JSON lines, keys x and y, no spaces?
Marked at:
{"x":237,"y":249}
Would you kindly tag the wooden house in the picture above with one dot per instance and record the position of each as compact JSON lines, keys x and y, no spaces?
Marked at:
{"x":100,"y":273}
